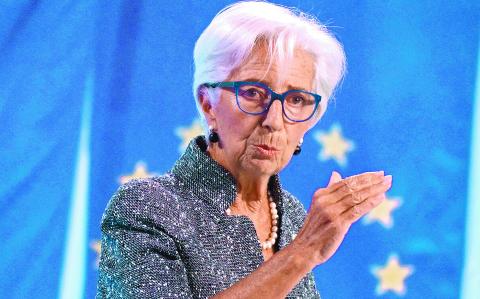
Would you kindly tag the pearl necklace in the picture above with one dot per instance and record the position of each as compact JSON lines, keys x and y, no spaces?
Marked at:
{"x":273,"y":233}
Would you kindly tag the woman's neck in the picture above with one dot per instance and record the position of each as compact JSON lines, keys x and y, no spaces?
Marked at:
{"x":252,"y":192}
{"x":252,"y":188}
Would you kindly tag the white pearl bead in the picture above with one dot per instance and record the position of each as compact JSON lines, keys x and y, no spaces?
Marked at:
{"x":273,"y":233}
{"x":228,"y":211}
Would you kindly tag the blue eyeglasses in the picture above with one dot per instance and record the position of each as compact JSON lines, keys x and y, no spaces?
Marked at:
{"x":256,"y":98}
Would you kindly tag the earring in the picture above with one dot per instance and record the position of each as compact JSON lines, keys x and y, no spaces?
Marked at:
{"x":212,"y":136}
{"x":298,"y":149}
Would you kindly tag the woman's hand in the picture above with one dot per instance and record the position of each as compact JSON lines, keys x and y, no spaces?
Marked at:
{"x":335,"y":208}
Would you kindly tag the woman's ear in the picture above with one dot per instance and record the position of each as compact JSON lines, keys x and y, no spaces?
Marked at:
{"x":205,"y":102}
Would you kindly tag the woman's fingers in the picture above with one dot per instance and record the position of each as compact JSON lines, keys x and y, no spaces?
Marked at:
{"x":361,"y":180}
{"x":335,"y":207}
{"x":356,"y":182}
{"x":335,"y":177}
{"x":356,"y":211}
{"x":336,"y":191}
{"x":354,"y":197}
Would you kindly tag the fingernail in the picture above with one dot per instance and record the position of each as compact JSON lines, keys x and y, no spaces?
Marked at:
{"x":388,"y":179}
{"x":380,"y":172}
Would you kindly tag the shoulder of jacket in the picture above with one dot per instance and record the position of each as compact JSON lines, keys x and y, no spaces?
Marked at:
{"x":292,"y":201}
{"x":294,"y":207}
{"x":151,"y":200}
{"x":145,"y":190}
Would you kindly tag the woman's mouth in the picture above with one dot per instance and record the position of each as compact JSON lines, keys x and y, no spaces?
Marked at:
{"x":266,"y":150}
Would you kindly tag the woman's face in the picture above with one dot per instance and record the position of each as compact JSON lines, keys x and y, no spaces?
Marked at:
{"x":261,"y":144}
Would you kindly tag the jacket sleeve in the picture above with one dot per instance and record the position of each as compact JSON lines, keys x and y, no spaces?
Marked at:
{"x":298,"y":215}
{"x":139,"y":259}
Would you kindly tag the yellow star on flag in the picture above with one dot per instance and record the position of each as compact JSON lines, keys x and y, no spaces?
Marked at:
{"x":139,"y":172}
{"x":383,"y":212}
{"x":188,"y":133}
{"x":96,"y":246}
{"x":392,"y":276}
{"x":334,"y":145}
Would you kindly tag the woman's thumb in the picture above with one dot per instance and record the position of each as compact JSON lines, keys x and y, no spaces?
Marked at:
{"x":335,"y":177}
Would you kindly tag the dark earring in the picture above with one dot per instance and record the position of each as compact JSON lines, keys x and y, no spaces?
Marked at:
{"x":298,"y":149}
{"x":212,"y":136}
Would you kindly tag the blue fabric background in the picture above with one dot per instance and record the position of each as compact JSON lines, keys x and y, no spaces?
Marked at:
{"x":406,"y":104}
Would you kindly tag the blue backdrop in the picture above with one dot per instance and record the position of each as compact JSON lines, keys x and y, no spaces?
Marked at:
{"x":93,"y":93}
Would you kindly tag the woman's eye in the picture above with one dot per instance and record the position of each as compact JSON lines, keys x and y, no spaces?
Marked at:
{"x":300,"y":100}
{"x":252,"y":93}
{"x":297,"y":100}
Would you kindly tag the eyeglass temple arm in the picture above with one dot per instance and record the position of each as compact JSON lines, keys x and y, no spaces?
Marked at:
{"x":220,"y":84}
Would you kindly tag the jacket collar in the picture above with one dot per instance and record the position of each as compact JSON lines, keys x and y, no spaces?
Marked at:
{"x":210,"y":181}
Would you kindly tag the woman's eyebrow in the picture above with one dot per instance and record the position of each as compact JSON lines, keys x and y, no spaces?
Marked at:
{"x":290,"y":87}
{"x":250,"y":79}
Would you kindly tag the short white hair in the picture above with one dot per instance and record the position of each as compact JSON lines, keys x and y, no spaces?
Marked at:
{"x":230,"y":38}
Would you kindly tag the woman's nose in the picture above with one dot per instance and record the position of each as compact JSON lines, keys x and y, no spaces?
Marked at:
{"x":274,"y":117}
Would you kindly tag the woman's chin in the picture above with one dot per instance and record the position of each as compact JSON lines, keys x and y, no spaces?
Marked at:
{"x":258,"y":162}
{"x":262,"y":167}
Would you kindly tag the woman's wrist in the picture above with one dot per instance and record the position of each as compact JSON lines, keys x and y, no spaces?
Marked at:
{"x":275,"y":278}
{"x":300,"y":257}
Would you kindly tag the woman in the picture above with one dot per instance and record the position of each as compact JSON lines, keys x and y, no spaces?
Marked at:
{"x":219,"y":224}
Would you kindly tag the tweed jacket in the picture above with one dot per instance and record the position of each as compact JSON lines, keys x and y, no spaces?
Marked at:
{"x":170,"y":237}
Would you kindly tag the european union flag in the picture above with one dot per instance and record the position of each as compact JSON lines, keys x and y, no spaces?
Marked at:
{"x":93,"y":94}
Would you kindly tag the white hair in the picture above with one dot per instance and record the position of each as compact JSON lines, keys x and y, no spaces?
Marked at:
{"x":234,"y":32}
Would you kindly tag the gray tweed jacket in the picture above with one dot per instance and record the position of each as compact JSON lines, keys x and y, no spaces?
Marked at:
{"x":169,"y":236}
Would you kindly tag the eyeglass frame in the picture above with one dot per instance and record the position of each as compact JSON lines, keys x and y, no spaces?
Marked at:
{"x":274,"y":96}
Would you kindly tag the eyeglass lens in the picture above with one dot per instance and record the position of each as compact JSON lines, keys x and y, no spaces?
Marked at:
{"x":297,"y":105}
